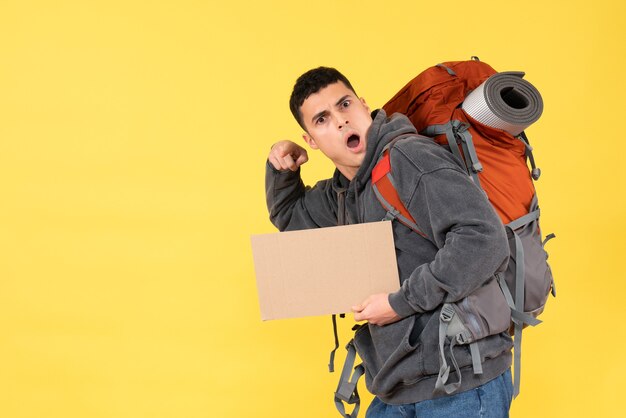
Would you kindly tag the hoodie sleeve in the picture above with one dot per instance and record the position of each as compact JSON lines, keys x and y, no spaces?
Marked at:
{"x":294,"y":206}
{"x":456,"y":215}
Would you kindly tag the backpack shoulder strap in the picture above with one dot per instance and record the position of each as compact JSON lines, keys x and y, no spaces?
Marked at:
{"x":386,"y":192}
{"x":347,"y":389}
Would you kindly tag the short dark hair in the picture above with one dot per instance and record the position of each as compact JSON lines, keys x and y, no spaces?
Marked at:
{"x":311,"y":82}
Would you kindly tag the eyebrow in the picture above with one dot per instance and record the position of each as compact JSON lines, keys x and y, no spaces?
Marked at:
{"x":317,"y":115}
{"x":325,"y":112}
{"x":342,"y":99}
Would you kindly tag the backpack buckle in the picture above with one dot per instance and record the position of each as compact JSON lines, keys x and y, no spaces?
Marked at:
{"x":478,"y":167}
{"x":536,"y":173}
{"x":345,"y":392}
{"x":391,"y":214}
{"x":447,"y":312}
{"x":458,"y":126}
{"x":462,"y":338}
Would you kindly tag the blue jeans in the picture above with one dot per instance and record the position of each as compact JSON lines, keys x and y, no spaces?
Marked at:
{"x":491,"y":400}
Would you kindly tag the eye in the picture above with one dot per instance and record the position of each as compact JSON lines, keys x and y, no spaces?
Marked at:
{"x":345,"y":103}
{"x":320,"y":120}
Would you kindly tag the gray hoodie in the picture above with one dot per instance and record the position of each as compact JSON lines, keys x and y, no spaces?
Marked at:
{"x":465,"y":246}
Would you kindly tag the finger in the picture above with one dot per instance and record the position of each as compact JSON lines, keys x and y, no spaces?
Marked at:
{"x":282,"y":151}
{"x":278,"y":151}
{"x":281,"y":163}
{"x":272,"y":159}
{"x":288,"y":148}
{"x":290,"y":163}
{"x":280,"y":159}
{"x":302,"y":158}
{"x":357,"y":308}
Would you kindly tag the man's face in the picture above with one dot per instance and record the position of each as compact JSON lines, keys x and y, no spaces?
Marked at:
{"x":336,"y":122}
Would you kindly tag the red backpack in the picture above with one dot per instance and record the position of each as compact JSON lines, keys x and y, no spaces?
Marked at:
{"x":480,"y":116}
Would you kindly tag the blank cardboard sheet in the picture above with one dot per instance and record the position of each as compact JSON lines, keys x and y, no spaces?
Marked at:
{"x":323,"y":271}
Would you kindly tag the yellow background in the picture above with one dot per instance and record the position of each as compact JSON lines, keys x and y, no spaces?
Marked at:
{"x":133,"y":137}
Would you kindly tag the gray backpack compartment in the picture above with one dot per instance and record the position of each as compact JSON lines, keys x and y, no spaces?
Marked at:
{"x":521,"y":290}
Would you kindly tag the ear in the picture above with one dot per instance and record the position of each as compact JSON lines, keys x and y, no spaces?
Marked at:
{"x":309,"y":140}
{"x":362,"y":99}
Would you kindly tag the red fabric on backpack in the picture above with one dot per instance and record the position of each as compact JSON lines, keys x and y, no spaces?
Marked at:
{"x":434,"y":98}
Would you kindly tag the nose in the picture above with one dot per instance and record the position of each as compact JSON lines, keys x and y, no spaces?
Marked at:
{"x":341,"y":123}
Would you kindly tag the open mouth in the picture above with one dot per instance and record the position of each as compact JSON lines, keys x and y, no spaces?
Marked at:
{"x":353,"y":141}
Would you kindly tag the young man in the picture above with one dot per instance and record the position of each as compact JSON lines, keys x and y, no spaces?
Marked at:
{"x":463,"y":246}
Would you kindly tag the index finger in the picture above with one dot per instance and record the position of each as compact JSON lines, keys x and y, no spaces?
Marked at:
{"x":289,"y":162}
{"x":302,"y":158}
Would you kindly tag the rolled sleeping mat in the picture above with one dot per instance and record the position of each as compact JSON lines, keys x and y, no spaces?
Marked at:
{"x":505,"y":101}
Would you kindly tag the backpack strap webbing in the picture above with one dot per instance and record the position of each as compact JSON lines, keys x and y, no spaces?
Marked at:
{"x":448,"y":69}
{"x":536,"y":171}
{"x":445,"y":318}
{"x":518,"y":316}
{"x":459,"y":138}
{"x":331,"y":363}
{"x":435,"y":130}
{"x":347,"y":388}
{"x":386,"y":193}
{"x":451,"y":326}
{"x":543,"y":244}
